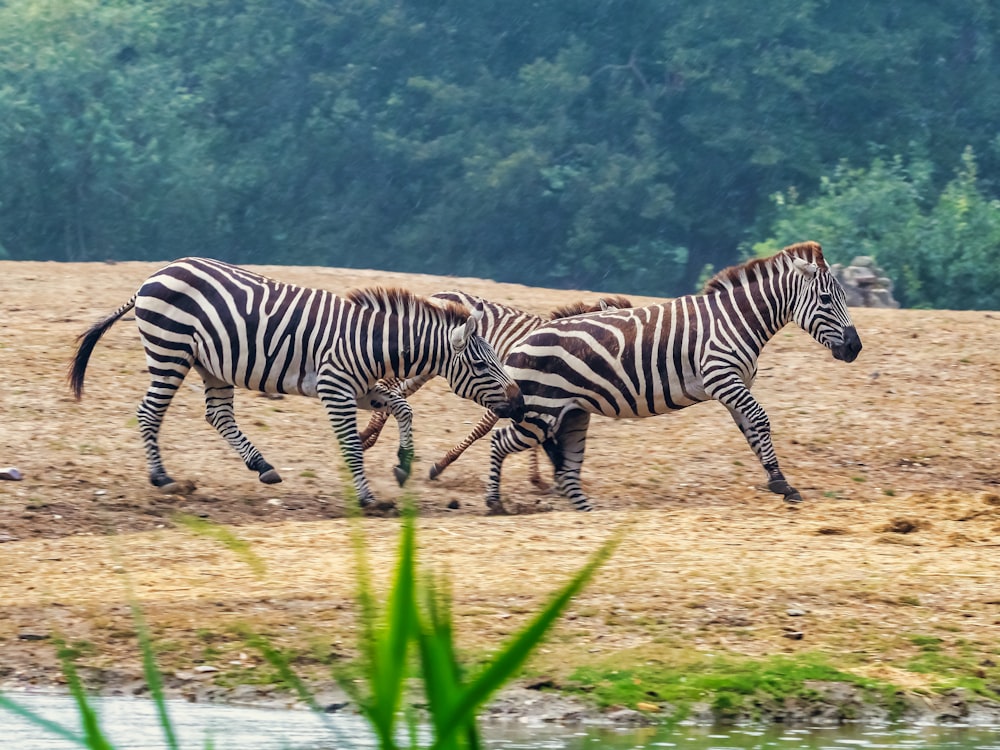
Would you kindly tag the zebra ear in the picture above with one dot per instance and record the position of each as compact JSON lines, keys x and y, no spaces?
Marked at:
{"x":460,"y":336}
{"x":805,"y":267}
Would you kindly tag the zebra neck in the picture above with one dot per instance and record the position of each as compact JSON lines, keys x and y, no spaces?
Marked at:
{"x":765,"y":303}
{"x":420,"y":349}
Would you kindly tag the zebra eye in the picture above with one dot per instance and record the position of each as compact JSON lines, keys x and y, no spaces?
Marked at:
{"x":825,"y":299}
{"x":480,"y":367}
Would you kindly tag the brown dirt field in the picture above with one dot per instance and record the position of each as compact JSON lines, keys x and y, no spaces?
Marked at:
{"x":905,"y":436}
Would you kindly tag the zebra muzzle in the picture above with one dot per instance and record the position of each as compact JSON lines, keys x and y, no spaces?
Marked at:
{"x":849,"y":347}
{"x":512,"y":407}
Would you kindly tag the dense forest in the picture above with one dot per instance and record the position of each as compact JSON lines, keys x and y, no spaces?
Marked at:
{"x":621,"y":145}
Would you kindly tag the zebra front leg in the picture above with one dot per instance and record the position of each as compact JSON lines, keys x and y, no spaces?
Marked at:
{"x":566,"y":451}
{"x":752,"y":420}
{"x":219,"y":413}
{"x":511,"y":439}
{"x":341,"y":407}
{"x":403,"y":413}
{"x":485,"y":425}
{"x":385,"y":398}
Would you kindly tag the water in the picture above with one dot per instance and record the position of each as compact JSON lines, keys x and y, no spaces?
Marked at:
{"x":131,"y":724}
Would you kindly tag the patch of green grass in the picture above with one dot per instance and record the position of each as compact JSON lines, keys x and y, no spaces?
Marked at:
{"x":952,"y":665}
{"x":730,"y":685}
{"x":307,"y":474}
{"x":926,"y":642}
{"x":78,"y":649}
{"x":859,"y":479}
{"x":889,"y":492}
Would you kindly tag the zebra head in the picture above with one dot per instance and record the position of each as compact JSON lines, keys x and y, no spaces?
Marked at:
{"x":821,"y":310}
{"x":475,"y":372}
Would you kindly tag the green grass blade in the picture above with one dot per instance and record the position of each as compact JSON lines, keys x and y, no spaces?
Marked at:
{"x":439,"y":665}
{"x":516,"y":652}
{"x":40,"y":721}
{"x":279,"y":661}
{"x":388,"y":674}
{"x":152,"y":673}
{"x":385,"y":637}
{"x":93,"y":736}
{"x":239,"y":547}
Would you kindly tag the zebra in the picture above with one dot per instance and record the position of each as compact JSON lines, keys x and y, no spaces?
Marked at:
{"x":652,"y":360}
{"x":503,"y":326}
{"x":239,"y":329}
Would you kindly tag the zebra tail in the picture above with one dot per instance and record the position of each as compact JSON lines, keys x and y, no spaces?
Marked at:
{"x":85,"y":346}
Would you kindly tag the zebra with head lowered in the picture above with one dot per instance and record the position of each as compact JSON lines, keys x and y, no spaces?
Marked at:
{"x":652,"y":360}
{"x":239,"y":329}
{"x":503,"y":326}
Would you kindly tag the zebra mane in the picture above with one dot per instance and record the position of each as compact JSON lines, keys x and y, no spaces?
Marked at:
{"x":397,"y":300}
{"x":579,"y":308}
{"x":735,"y":276}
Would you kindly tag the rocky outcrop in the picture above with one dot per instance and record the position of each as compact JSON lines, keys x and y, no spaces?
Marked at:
{"x":865,"y":283}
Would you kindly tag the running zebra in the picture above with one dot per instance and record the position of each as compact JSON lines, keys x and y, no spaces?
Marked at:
{"x":240,"y":329}
{"x":503,"y":326}
{"x":652,"y":360}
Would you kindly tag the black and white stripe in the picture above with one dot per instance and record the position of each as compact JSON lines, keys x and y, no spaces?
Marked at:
{"x":239,"y":329}
{"x":652,"y":360}
{"x":503,"y":326}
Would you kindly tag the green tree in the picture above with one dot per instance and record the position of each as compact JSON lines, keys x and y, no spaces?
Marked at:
{"x":941,"y":249}
{"x":95,"y":162}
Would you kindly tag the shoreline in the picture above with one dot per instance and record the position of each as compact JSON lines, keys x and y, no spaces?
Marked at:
{"x":833,"y":704}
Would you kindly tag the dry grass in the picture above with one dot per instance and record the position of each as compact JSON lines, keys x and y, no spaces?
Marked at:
{"x":905,"y":439}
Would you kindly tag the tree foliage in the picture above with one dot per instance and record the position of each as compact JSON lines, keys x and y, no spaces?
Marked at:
{"x":616,"y":144}
{"x":941,"y":248}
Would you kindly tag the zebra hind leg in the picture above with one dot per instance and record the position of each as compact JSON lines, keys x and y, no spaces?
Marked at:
{"x":482,"y":428}
{"x":150,"y":414}
{"x":370,"y":435}
{"x":566,"y":451}
{"x":219,"y":413}
{"x":535,"y":474}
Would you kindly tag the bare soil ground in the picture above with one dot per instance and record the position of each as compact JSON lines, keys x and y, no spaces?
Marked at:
{"x":896,"y":456}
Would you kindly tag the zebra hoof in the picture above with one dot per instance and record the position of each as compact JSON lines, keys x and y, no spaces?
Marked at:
{"x":385,"y":509}
{"x":270,"y":477}
{"x":780,"y":487}
{"x":401,"y":474}
{"x":495,"y":508}
{"x":435,"y":472}
{"x":793,"y":497}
